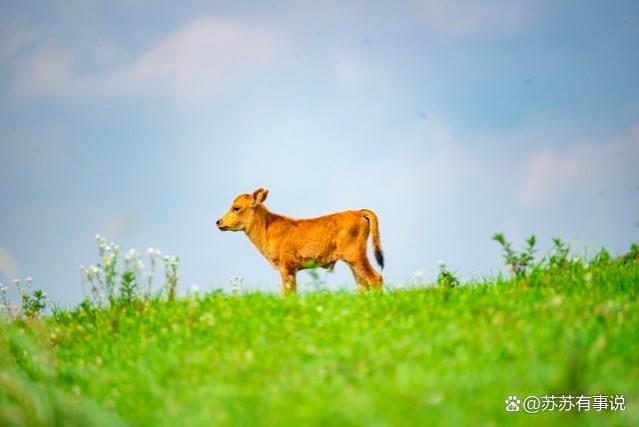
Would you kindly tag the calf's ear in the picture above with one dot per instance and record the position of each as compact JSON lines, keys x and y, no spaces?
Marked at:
{"x":259,"y":196}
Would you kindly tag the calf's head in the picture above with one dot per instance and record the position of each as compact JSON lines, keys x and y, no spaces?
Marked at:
{"x":242,"y":212}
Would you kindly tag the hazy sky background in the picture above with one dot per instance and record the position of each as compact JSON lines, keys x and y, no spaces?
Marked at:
{"x":141,"y":120}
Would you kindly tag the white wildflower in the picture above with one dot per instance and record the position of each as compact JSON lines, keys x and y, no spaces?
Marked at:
{"x":195,"y":289}
{"x":107,"y":260}
{"x":236,"y":283}
{"x":441,"y":264}
{"x":29,"y":280}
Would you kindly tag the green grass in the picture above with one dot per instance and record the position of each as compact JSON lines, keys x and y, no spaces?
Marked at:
{"x":413,"y":357}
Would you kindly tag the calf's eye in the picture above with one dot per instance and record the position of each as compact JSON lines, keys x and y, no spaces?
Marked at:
{"x":236,"y":209}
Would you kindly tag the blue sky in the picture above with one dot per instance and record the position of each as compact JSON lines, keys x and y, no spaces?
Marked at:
{"x":452,"y":120}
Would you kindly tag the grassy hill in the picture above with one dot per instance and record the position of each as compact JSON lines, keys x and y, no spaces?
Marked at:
{"x":421,"y":356}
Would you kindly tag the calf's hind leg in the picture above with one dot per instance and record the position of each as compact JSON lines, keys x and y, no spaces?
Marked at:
{"x":365,"y":275}
{"x":360,"y":283}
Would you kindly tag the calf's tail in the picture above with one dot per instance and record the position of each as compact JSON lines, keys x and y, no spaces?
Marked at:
{"x":377,"y":244}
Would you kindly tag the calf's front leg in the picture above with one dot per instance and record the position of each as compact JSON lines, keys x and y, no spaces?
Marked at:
{"x":289,"y":284}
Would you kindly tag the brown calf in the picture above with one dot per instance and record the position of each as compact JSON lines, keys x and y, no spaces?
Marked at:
{"x":294,"y":244}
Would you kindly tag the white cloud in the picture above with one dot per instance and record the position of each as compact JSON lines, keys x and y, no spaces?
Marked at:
{"x":476,"y":17}
{"x":8,"y":264}
{"x":200,"y":57}
{"x":580,"y":168}
{"x":195,"y":61}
